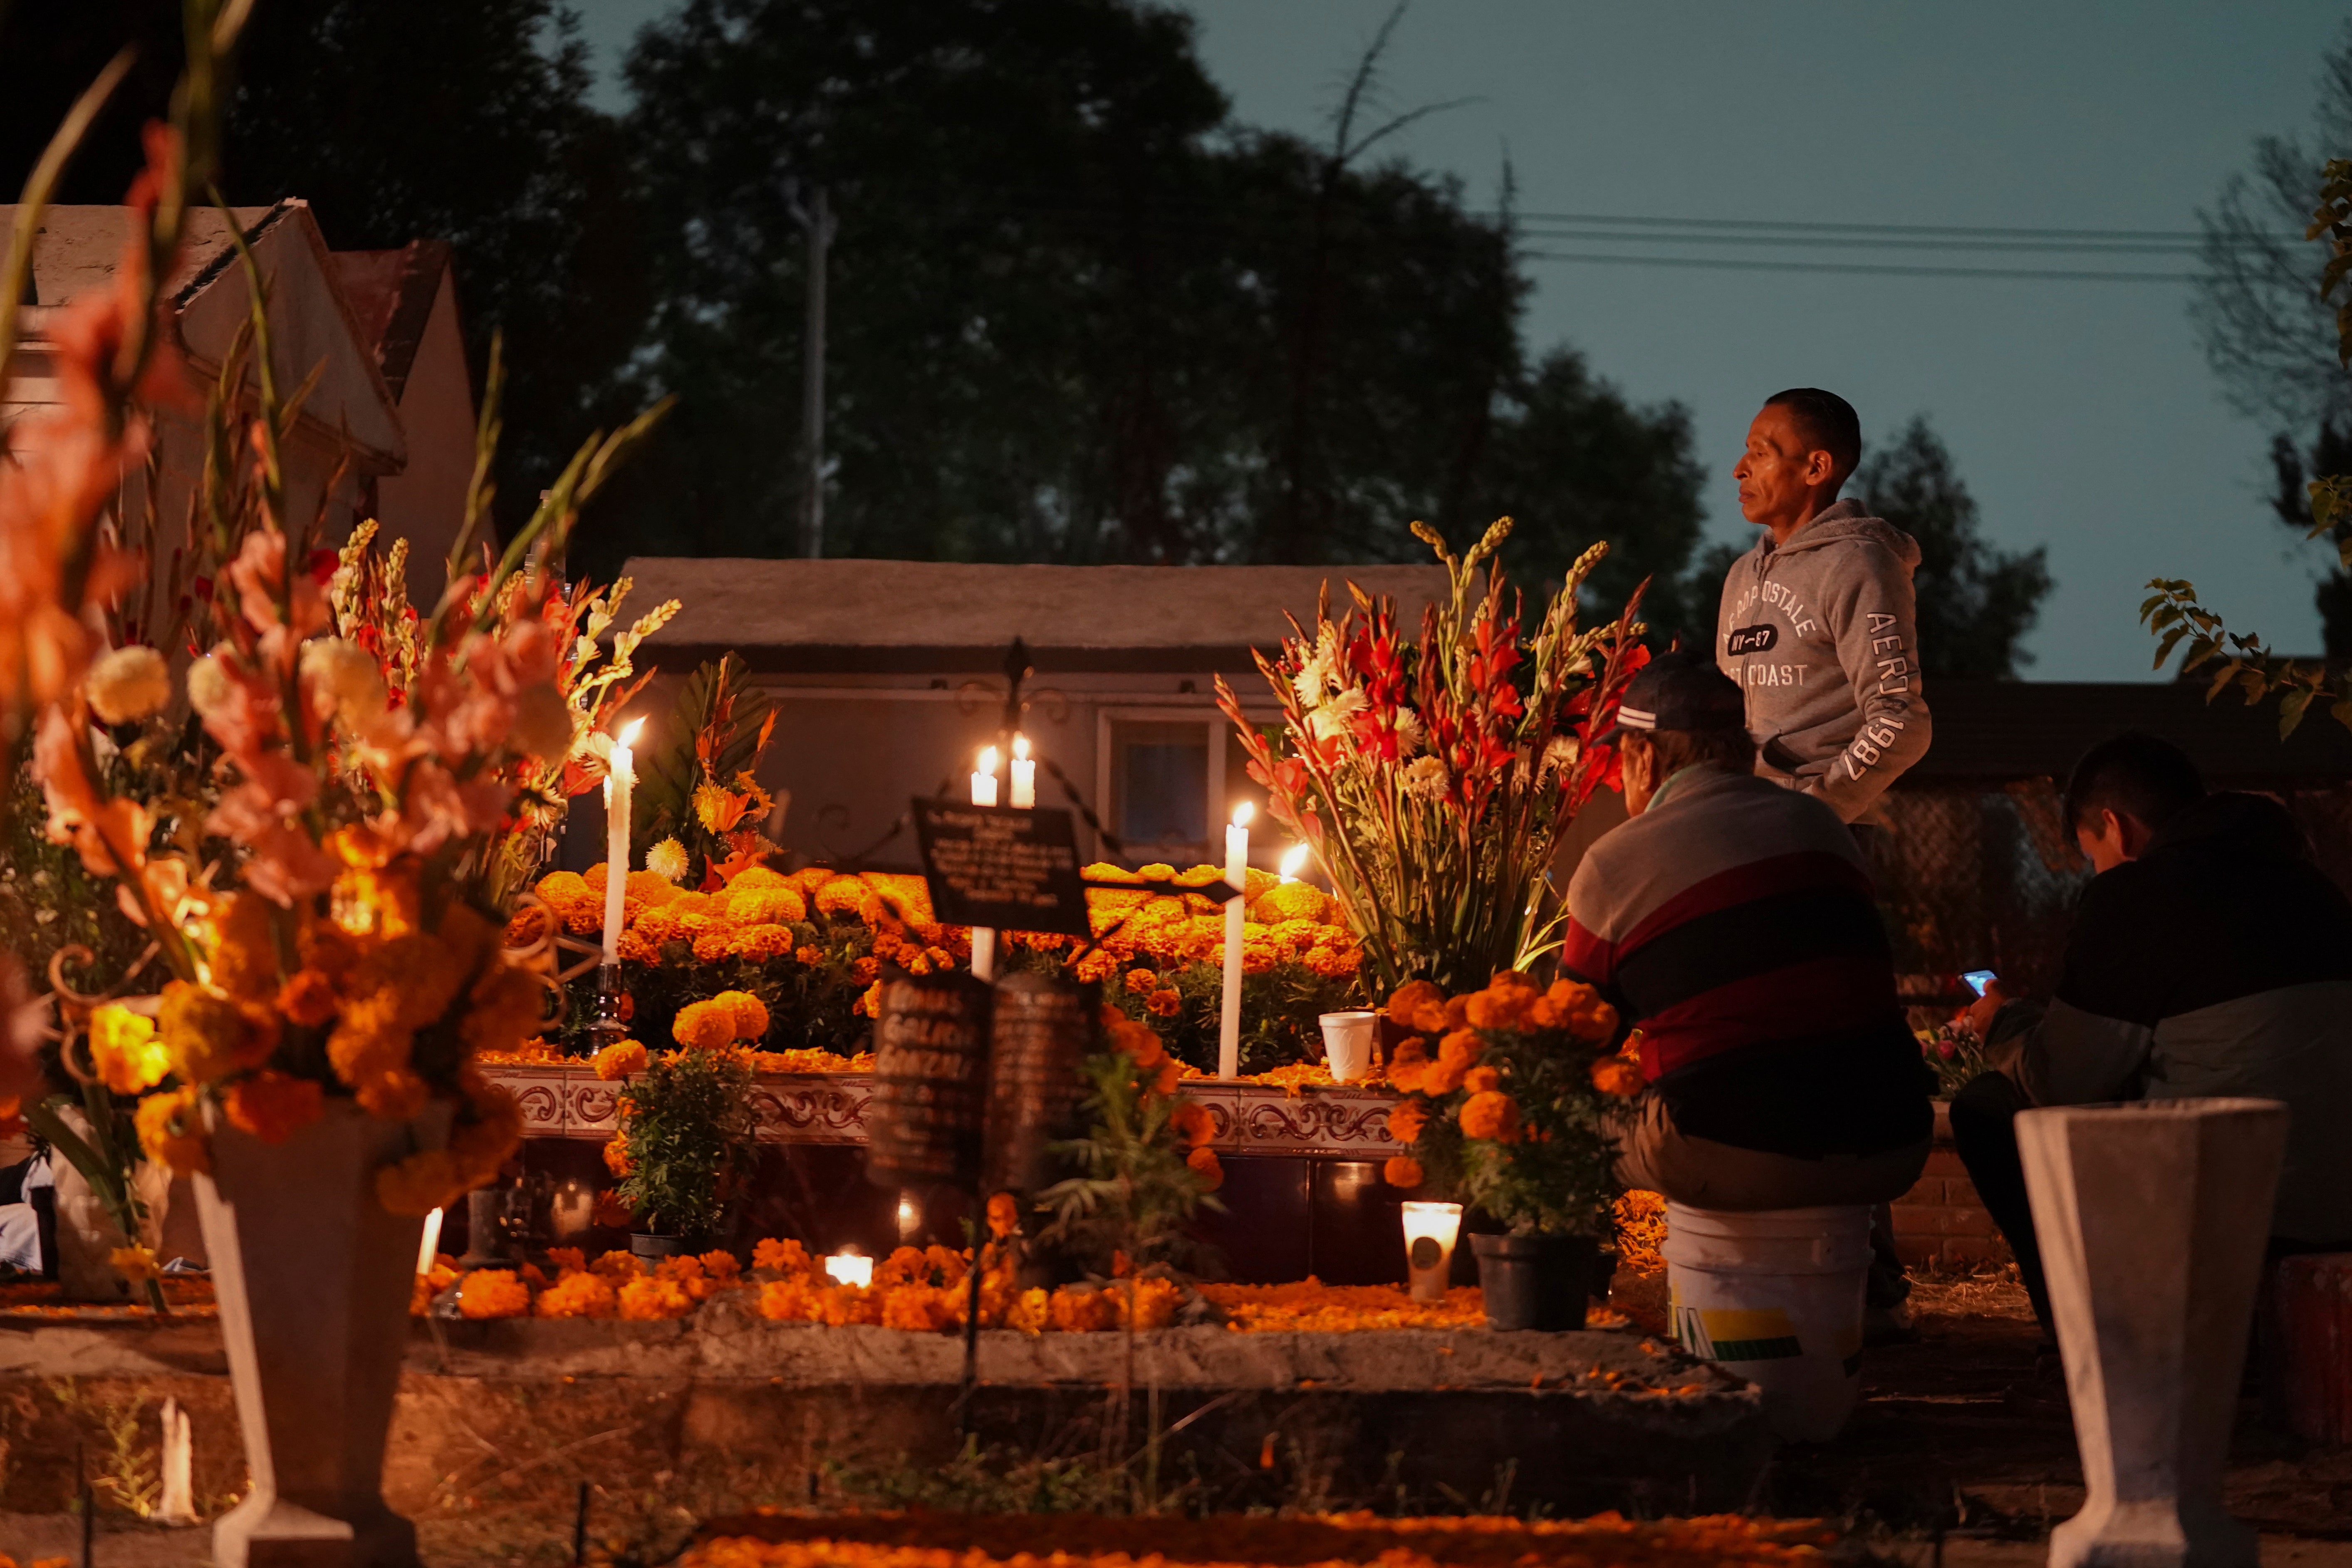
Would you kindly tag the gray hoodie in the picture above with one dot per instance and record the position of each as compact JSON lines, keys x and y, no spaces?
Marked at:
{"x":1821,"y":636}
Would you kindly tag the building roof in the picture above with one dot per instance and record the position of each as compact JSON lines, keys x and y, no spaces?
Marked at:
{"x":76,"y":249}
{"x":392,"y":294}
{"x":1996,"y":730}
{"x":916,"y":616}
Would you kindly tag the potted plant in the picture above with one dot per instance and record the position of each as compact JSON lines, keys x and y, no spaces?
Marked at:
{"x":1510,"y":1109}
{"x":688,"y":1139}
{"x":1432,"y":776}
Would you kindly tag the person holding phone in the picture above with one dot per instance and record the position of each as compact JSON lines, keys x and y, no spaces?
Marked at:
{"x":2209,"y":956}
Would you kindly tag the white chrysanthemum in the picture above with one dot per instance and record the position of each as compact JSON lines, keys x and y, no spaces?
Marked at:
{"x":129,"y":683}
{"x":543,"y":722}
{"x":667,"y":861}
{"x":1333,"y":716}
{"x":1426,"y":778}
{"x":1410,"y":732}
{"x":210,"y":685}
{"x":345,"y":674}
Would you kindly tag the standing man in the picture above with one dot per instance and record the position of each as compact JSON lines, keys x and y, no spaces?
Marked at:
{"x":1817,"y":623}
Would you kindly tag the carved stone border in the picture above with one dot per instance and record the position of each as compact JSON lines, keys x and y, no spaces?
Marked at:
{"x":568,"y":1102}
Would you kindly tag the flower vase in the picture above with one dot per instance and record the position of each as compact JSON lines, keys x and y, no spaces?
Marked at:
{"x":313,"y":1276}
{"x":87,"y":1233}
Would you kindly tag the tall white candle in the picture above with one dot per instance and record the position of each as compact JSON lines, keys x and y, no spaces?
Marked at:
{"x":1024,"y":775}
{"x":984,"y":793}
{"x":1228,"y":1026}
{"x":618,"y":781}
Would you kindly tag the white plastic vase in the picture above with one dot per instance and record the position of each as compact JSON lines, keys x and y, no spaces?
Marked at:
{"x":1775,"y":1297}
{"x":2153,"y":1218}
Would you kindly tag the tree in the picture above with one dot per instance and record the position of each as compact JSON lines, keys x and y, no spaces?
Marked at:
{"x":396,"y":120}
{"x":1976,"y":602}
{"x":1078,"y":314}
{"x":2295,"y":469}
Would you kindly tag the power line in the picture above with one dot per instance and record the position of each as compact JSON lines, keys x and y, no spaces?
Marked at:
{"x":1625,"y":220}
{"x":2125,"y":248}
{"x":1726,"y":264}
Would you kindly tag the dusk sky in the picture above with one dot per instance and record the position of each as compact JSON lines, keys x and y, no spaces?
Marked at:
{"x":2081,"y":413}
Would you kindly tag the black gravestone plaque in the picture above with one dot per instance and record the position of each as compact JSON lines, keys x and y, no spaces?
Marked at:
{"x":1014,"y":870}
{"x":931,"y":1080}
{"x":1043,"y":1026}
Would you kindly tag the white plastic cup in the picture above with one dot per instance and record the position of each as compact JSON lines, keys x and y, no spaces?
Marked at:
{"x":1776,"y":1297}
{"x":1348,"y":1044}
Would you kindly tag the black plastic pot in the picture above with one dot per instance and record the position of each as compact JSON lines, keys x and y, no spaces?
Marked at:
{"x":654,"y":1248}
{"x":1540,"y":1282}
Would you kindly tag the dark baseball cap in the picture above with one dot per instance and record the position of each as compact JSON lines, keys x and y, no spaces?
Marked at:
{"x":1682,"y":690}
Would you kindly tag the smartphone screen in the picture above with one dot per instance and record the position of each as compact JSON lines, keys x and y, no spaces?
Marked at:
{"x":1978,"y":980}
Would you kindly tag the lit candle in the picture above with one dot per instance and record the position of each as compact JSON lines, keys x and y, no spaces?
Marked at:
{"x":848,"y":1267}
{"x":984,"y":793}
{"x":1294,"y":860}
{"x":432,"y":1243}
{"x":1025,"y":775}
{"x":1430,"y":1233}
{"x":1229,"y":1026}
{"x":618,"y":780}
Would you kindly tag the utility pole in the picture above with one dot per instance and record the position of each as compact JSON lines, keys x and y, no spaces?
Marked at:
{"x":816,"y":221}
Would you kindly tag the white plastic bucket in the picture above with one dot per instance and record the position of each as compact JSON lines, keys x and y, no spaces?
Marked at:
{"x":1777,"y":1298}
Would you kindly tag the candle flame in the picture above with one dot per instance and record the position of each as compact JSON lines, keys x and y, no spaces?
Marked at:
{"x":628,"y":735}
{"x":987,"y":759}
{"x":847,"y":1268}
{"x":1243,"y":813}
{"x":1020,"y":748}
{"x":1294,"y":861}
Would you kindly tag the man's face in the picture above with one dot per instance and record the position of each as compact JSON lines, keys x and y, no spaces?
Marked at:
{"x":2108,"y":841}
{"x":1780,"y":471}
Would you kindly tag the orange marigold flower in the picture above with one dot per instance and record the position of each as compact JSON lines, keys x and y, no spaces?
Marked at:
{"x":917,"y":1308}
{"x":1203,"y":1160}
{"x":1171,"y":1074}
{"x":1141,"y":980}
{"x":172,"y":1133}
{"x":1479,"y":1079}
{"x":1407,"y":1000}
{"x":531,"y":924}
{"x":838,"y":1306}
{"x":620,"y":1061}
{"x":722,"y":1266}
{"x":1003,"y":1214}
{"x":905,"y":1265}
{"x":1146,"y":1304}
{"x":647,"y":1299}
{"x":612,"y":1211}
{"x":1081,"y":1311}
{"x":307,"y":998}
{"x":1192,"y":1122}
{"x":785,"y":1255}
{"x":1402,"y":1171}
{"x":567,"y":1259}
{"x":1501,"y":1007}
{"x":1492,"y":1115}
{"x":1165,"y":1002}
{"x":750,"y":1014}
{"x":808,"y":955}
{"x":704,"y":1025}
{"x":1139,"y":1041}
{"x":1406,"y":1118}
{"x":273,"y":1105}
{"x":1617,"y":1076}
{"x":1461,"y":1049}
{"x":616,"y":1157}
{"x":619,"y":1265}
{"x":792,"y":1301}
{"x":580,"y":1294}
{"x":492,"y":1293}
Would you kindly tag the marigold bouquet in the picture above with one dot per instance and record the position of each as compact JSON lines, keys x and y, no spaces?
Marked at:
{"x":1431,"y":777}
{"x":1511,"y":1109}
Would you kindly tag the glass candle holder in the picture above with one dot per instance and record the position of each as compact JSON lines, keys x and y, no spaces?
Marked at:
{"x":1430,"y":1233}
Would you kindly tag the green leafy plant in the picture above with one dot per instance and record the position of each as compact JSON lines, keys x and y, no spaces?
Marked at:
{"x":1132,"y":1191}
{"x":697,"y":787}
{"x":689,"y":1140}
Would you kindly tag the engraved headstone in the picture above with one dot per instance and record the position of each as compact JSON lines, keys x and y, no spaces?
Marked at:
{"x":924,"y":1122}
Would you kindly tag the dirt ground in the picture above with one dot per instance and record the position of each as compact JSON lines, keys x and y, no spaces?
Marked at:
{"x":1962,"y":1455}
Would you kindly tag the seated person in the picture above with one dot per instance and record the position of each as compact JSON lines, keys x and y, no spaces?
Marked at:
{"x":1731,"y":922}
{"x":2209,"y":956}
{"x":20,"y":1221}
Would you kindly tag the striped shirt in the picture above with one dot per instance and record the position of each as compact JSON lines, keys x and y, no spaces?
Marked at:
{"x":1733,"y":923}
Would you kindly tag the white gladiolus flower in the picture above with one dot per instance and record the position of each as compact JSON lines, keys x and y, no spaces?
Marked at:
{"x":543,"y":722}
{"x":1559,"y":755}
{"x":210,"y":685}
{"x":1425,"y":779}
{"x":129,"y":683}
